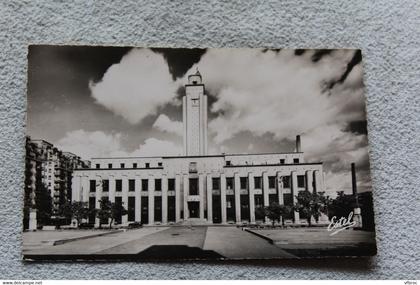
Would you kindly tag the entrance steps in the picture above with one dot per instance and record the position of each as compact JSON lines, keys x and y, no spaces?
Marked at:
{"x":195,"y":222}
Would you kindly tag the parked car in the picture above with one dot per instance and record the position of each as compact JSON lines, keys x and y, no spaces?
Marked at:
{"x":86,"y":226}
{"x":135,"y":225}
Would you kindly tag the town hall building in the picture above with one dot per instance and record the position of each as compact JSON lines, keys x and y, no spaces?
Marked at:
{"x":197,"y":188}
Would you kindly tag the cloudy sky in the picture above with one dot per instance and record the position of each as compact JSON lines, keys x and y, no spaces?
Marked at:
{"x":118,"y":101}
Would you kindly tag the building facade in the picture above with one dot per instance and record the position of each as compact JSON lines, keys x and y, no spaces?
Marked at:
{"x":48,"y":179}
{"x":197,"y":188}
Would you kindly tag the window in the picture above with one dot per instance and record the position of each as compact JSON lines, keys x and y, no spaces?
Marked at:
{"x":109,"y":165}
{"x":258,"y":201}
{"x":228,"y":163}
{"x":144,"y":185}
{"x":271,"y":182}
{"x":122,"y":165}
{"x":158,"y":209}
{"x":158,"y":184}
{"x":92,"y":185}
{"x":134,"y":165}
{"x":104,"y":219}
{"x":229,"y":182}
{"x":216,"y":183}
{"x":193,"y":167}
{"x":301,"y":181}
{"x":118,"y":185}
{"x":105,"y":185}
{"x":171,"y":184}
{"x":193,"y":186}
{"x":282,"y":161}
{"x":118,"y":204}
{"x":98,"y":165}
{"x":131,"y":209}
{"x":272,"y":198}
{"x":91,"y":215}
{"x":147,"y":165}
{"x":286,"y":181}
{"x":295,"y":160}
{"x":160,"y":164}
{"x":244,"y":182}
{"x":258,"y":182}
{"x":131,"y":185}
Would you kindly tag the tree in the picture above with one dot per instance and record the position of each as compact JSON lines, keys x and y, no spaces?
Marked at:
{"x":109,"y":211}
{"x":260,"y":213}
{"x":75,"y":210}
{"x":104,"y":211}
{"x":43,"y":204}
{"x":311,"y":205}
{"x":284,"y":212}
{"x":27,"y":206}
{"x":276,"y":212}
{"x":342,"y":205}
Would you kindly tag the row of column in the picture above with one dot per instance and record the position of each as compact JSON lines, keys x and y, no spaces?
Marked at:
{"x":82,"y":193}
{"x":314,"y":182}
{"x":310,"y":176}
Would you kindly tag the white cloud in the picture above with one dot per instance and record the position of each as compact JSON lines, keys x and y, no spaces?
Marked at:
{"x":101,"y":144}
{"x":329,"y":141}
{"x":286,"y":95}
{"x":337,"y":182}
{"x":277,"y":93}
{"x":136,"y":86}
{"x":91,"y":144}
{"x":165,"y":124}
{"x":271,"y":92}
{"x":156,"y":147}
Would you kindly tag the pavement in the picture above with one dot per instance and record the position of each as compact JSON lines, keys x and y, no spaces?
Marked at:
{"x":234,"y":243}
{"x":307,"y":242}
{"x":315,"y":235}
{"x":90,"y":245}
{"x":191,"y":242}
{"x":33,"y":240}
{"x":192,"y":237}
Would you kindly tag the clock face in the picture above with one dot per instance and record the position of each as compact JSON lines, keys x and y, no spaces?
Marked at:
{"x":195,"y":102}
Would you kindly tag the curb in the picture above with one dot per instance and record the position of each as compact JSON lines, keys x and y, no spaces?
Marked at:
{"x":260,"y":235}
{"x":63,"y":241}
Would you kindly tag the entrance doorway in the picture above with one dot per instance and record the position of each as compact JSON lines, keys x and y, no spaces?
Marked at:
{"x":217,"y":209}
{"x":144,"y":210}
{"x":245,"y":207}
{"x":194,"y":209}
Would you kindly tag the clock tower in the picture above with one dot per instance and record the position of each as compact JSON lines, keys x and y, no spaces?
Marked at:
{"x":194,"y":108}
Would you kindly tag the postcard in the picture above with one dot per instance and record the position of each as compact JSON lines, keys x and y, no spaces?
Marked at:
{"x":175,"y":153}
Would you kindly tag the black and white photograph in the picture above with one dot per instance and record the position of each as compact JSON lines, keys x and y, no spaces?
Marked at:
{"x":196,"y":154}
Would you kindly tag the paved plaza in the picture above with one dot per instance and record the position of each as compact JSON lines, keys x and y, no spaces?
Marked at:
{"x":303,"y":242}
{"x":194,"y":242}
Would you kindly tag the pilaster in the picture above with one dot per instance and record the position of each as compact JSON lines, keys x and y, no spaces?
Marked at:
{"x":237,"y":188}
{"x":223,"y":197}
{"x":209,"y":199}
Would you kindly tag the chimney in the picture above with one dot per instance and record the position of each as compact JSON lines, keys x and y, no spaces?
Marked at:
{"x":298,"y":146}
{"x":357,"y":218}
{"x":354,"y":182}
{"x":353,"y":179}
